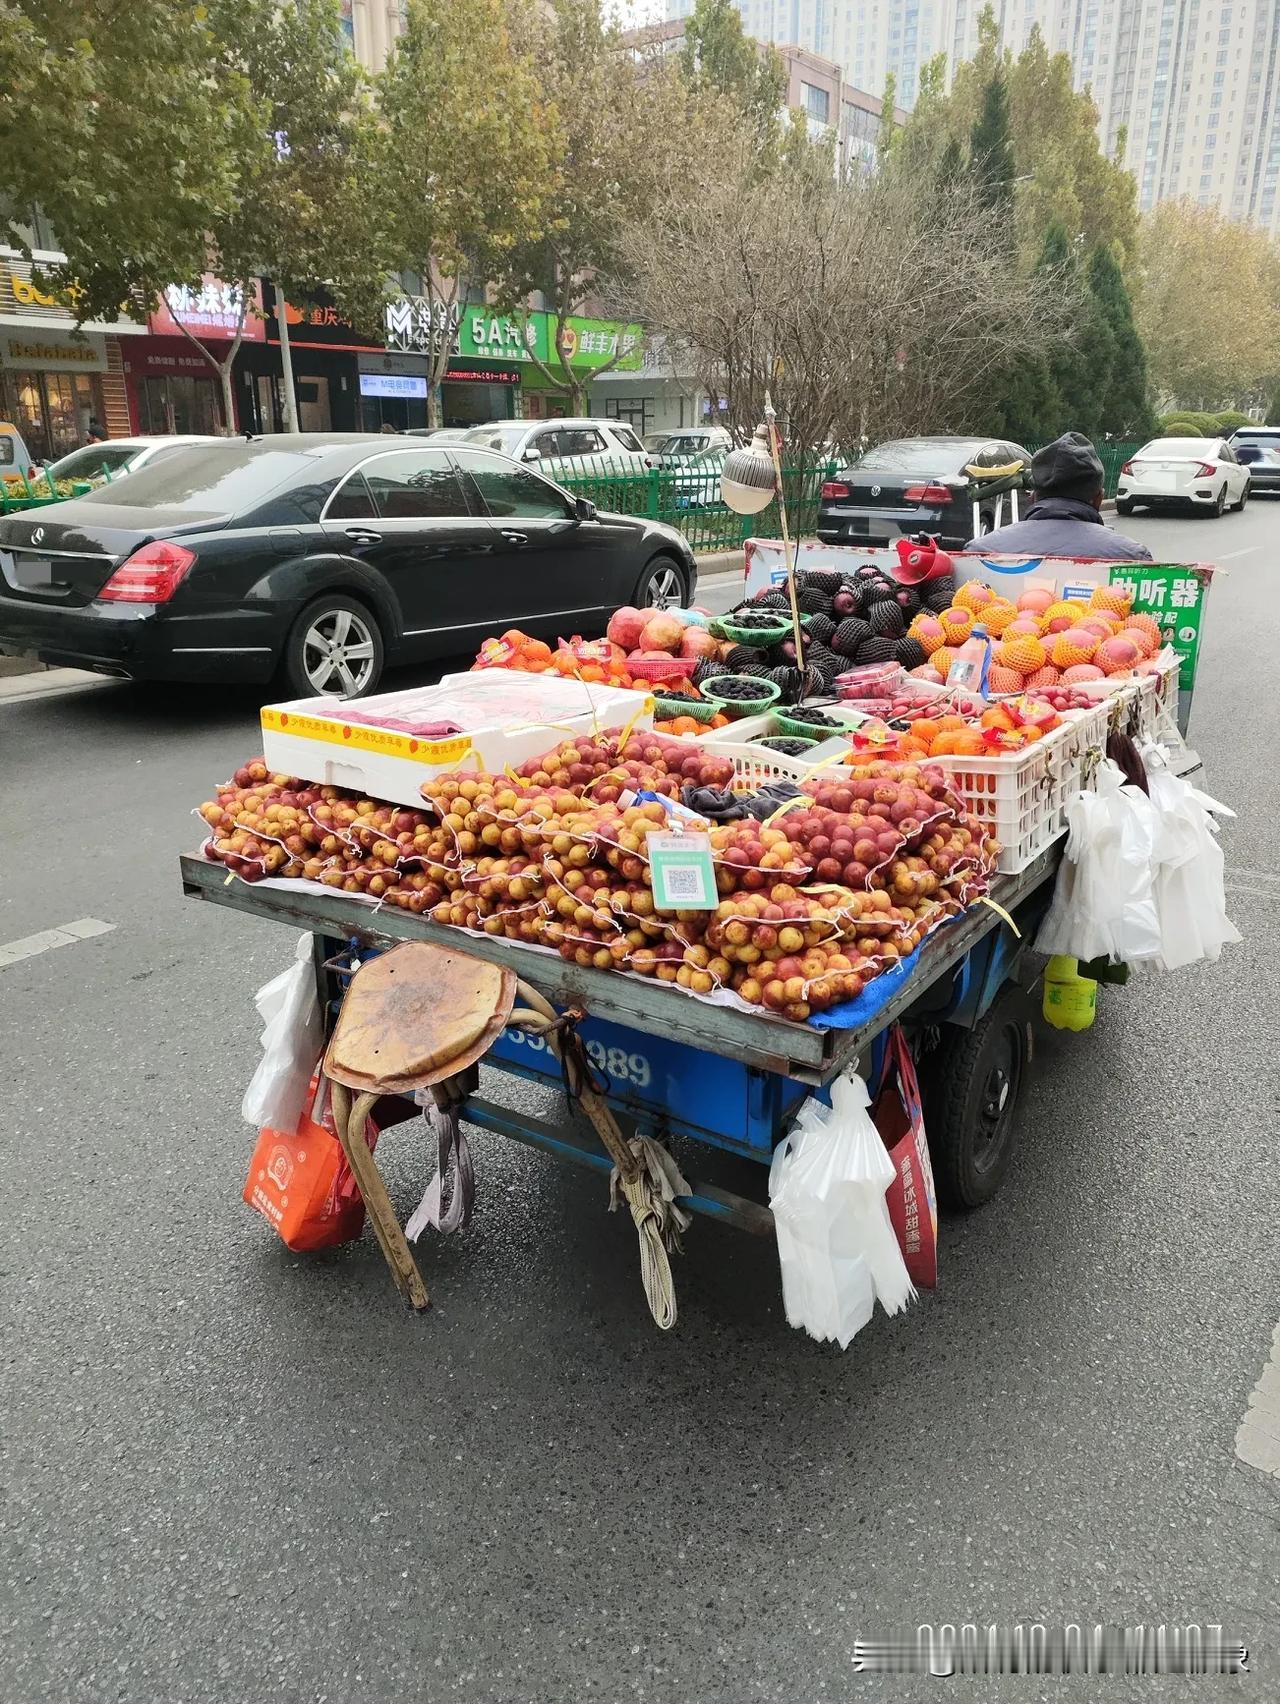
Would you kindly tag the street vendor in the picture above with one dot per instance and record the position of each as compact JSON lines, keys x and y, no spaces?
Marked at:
{"x":1065,"y":517}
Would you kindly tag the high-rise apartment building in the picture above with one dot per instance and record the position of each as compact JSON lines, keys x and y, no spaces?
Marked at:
{"x":1192,"y":86}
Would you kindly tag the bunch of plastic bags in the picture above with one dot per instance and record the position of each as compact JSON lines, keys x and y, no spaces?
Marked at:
{"x":1141,"y":880}
{"x":836,"y":1243}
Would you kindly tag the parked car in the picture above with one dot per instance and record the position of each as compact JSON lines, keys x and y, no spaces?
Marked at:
{"x":118,"y":456}
{"x":695,"y":480}
{"x":690,"y":443}
{"x":1258,"y":449}
{"x":566,"y":446}
{"x":321,"y":557}
{"x":441,"y":434}
{"x":912,"y":485}
{"x":1183,"y":473}
{"x":15,"y":458}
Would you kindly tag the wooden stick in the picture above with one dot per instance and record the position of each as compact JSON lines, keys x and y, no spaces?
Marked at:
{"x":771,"y":419}
{"x":350,"y":1122}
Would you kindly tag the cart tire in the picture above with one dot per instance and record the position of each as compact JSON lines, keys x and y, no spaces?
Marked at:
{"x":973,"y":1082}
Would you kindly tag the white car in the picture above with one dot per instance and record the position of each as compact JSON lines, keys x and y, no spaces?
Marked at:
{"x":566,"y":447}
{"x":1183,"y":473}
{"x":115,"y":457}
{"x":689,"y":443}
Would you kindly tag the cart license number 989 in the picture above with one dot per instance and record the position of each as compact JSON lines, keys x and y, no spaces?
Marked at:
{"x":616,"y":1063}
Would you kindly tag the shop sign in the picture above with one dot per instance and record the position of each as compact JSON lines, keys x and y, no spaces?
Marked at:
{"x":22,"y":299}
{"x":1175,"y":597}
{"x":416,"y":325}
{"x":54,"y":353}
{"x":210,"y":309}
{"x":464,"y":372}
{"x":153,"y":363}
{"x":319,"y":326}
{"x":404,"y":385}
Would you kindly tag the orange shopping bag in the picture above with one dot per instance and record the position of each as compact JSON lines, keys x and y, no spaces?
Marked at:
{"x":300,"y":1182}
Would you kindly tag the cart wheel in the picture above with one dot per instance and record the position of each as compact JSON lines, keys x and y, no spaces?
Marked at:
{"x":973,"y":1081}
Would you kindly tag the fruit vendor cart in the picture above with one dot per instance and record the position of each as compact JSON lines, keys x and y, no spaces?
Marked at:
{"x":712,"y":1076}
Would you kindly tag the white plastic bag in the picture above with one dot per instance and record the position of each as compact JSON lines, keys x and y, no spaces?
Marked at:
{"x":291,"y":1043}
{"x":1190,"y":896}
{"x":1104,"y":903}
{"x":836,"y":1245}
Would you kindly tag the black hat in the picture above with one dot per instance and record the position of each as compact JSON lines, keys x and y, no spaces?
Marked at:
{"x":1066,"y":464}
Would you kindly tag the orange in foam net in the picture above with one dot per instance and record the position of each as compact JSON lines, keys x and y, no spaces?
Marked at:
{"x":1111,"y":599}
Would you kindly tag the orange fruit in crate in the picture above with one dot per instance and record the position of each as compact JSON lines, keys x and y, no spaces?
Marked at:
{"x":997,"y":717}
{"x":974,"y":595}
{"x":1026,"y":654}
{"x":1072,"y":645}
{"x":1023,"y":624}
{"x":957,"y":624}
{"x":1002,"y":679}
{"x":951,"y":723}
{"x":924,"y":728}
{"x":970,"y":744}
{"x":942,"y":660}
{"x":1059,"y":616}
{"x":1047,"y":676}
{"x":1081,"y":671}
{"x":928,"y":630}
{"x":1112,"y":598}
{"x":943,"y":744}
{"x":997,"y":615}
{"x":1036,"y":599}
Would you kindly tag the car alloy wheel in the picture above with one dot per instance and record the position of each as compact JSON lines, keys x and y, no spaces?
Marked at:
{"x":663,"y":589}
{"x":338,"y":653}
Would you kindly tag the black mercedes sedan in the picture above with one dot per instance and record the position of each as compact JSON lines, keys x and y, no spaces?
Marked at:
{"x":912,"y":485}
{"x":321,"y":559}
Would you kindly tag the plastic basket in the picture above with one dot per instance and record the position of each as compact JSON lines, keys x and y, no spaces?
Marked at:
{"x":754,"y":766}
{"x":793,"y":728}
{"x":659,"y":668}
{"x":744,"y":729}
{"x":739,"y":709}
{"x":699,"y":709}
{"x":1021,"y":797}
{"x":760,"y":637}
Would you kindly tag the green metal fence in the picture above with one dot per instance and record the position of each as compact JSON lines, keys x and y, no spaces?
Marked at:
{"x":687,"y":496}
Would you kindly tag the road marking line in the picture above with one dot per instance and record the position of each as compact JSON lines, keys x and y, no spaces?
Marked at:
{"x":1230,"y":555}
{"x":65,"y":935}
{"x":1258,"y":1435}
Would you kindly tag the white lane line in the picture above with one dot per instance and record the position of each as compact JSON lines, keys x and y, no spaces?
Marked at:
{"x":65,"y":935}
{"x":1230,"y":555}
{"x":1258,"y":1437}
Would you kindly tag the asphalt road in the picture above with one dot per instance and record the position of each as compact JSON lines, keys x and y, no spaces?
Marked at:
{"x":236,"y":1474}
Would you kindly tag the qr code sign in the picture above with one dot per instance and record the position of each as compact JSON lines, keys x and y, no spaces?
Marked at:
{"x":684,"y":881}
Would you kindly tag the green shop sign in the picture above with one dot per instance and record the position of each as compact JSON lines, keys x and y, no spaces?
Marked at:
{"x":485,"y":335}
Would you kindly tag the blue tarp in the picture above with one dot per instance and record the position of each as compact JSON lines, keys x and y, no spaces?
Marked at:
{"x":877,"y":994}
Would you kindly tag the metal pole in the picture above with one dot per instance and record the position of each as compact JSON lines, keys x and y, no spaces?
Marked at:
{"x":286,"y":364}
{"x":796,"y":629}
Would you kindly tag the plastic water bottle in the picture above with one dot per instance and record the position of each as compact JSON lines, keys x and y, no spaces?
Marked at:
{"x":969,"y":665}
{"x":1070,"y":1000}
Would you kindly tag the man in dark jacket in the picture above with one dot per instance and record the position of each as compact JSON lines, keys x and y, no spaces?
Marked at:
{"x":1065,"y":518}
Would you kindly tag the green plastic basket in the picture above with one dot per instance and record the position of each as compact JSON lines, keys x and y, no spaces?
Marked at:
{"x":665,"y":709}
{"x":794,"y":729}
{"x":760,"y":637}
{"x":737,"y":708}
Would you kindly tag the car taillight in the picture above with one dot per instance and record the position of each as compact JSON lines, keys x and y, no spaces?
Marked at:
{"x":1206,"y":470}
{"x":150,"y":576}
{"x":835,"y":488}
{"x":1127,"y":468}
{"x":927,"y":494}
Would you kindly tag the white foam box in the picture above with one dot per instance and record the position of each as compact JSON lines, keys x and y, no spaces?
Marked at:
{"x":505,"y":717}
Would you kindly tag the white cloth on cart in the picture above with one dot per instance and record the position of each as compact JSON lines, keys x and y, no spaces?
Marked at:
{"x":1104,"y":902}
{"x":1190,"y":894}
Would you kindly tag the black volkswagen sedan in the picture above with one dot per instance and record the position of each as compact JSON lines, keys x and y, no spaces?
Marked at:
{"x":322,"y":559}
{"x":912,"y":485}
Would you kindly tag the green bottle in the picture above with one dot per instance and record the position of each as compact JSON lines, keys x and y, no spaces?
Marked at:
{"x":1070,"y":1000}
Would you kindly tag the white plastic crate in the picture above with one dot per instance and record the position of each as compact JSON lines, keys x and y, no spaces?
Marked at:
{"x":507,"y":718}
{"x":1021,"y":797}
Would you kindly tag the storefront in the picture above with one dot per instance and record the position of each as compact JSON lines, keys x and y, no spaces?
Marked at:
{"x":650,"y":395}
{"x":324,"y":351}
{"x":393,"y":391}
{"x":172,"y":386}
{"x":55,"y":379}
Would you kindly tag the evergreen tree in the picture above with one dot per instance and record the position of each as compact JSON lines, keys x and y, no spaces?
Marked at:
{"x":1273,"y":413}
{"x":1124,"y":405}
{"x":991,"y":153}
{"x":1030,"y":403}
